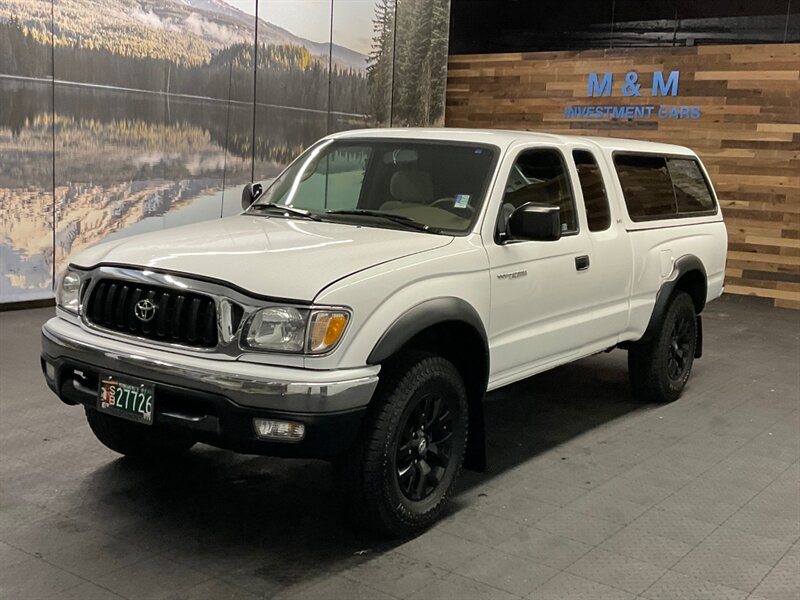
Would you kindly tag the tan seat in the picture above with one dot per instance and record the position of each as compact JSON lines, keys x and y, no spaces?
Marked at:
{"x":409,"y":187}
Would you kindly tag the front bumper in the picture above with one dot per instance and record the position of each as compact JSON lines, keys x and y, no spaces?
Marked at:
{"x":216,"y":399}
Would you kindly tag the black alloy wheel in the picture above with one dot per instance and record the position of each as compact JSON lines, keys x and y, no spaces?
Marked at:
{"x":660,"y":365}
{"x":399,"y":475}
{"x":424,"y":447}
{"x":680,"y":346}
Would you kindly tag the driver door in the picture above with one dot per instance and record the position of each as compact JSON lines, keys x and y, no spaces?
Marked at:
{"x":538,"y":288}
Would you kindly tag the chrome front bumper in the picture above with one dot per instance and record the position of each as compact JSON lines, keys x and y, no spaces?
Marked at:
{"x":246,"y":384}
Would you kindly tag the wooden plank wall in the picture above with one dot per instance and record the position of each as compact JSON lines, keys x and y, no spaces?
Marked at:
{"x":748,"y":134}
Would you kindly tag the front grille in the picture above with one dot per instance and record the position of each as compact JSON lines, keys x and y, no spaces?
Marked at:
{"x":178,"y":316}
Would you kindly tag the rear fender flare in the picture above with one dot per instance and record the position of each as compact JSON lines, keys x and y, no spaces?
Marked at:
{"x":685,"y":264}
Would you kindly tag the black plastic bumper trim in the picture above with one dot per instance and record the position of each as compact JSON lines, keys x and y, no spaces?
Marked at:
{"x":212,"y":418}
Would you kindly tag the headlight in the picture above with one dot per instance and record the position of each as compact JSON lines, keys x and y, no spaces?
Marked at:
{"x":280,"y":329}
{"x":289,"y":329}
{"x":68,"y":294}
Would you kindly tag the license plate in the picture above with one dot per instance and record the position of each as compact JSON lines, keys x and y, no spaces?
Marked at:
{"x":126,"y":398}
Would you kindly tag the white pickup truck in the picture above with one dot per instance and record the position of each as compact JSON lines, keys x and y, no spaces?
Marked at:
{"x":361,"y":306}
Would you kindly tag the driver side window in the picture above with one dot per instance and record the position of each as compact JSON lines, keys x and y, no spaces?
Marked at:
{"x":541,"y":176}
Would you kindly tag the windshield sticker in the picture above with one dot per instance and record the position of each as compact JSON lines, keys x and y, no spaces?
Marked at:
{"x":462,"y":201}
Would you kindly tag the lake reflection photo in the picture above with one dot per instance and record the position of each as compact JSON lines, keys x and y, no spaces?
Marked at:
{"x":116,"y":121}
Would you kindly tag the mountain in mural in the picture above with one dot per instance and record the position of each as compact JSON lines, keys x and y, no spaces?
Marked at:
{"x":183,"y":31}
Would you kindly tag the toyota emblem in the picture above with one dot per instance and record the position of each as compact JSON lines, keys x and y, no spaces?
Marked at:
{"x":144,"y":310}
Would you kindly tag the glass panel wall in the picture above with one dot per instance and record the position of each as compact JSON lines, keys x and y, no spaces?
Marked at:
{"x":117,"y":121}
{"x":26,"y":152}
{"x":363,"y":52}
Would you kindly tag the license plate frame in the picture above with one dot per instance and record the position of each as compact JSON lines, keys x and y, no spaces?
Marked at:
{"x":126,"y":398}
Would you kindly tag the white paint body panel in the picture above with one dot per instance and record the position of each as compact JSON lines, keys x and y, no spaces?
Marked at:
{"x":257,"y":253}
{"x":551,"y":315}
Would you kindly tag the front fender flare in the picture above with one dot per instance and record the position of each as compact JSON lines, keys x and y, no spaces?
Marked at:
{"x":424,"y":315}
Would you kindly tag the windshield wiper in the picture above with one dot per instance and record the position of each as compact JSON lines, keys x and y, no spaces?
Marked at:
{"x":299,"y":212}
{"x":400,"y":219}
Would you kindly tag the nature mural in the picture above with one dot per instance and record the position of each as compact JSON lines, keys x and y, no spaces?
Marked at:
{"x":123,"y":116}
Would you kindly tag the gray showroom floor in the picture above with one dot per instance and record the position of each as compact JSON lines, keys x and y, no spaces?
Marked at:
{"x":588,"y":495}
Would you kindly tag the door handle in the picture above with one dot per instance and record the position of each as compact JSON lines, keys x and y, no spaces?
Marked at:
{"x":582,"y":262}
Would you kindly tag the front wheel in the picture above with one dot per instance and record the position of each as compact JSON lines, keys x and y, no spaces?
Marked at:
{"x":411,"y":448}
{"x":660,"y":367}
{"x":137,"y":441}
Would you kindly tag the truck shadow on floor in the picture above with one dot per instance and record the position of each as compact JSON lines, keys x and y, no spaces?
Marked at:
{"x":270,"y":524}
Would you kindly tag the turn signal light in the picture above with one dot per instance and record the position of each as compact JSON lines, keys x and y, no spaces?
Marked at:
{"x":325,"y":330}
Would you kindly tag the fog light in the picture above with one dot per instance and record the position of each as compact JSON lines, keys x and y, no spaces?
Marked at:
{"x":282,"y":431}
{"x":50,"y":371}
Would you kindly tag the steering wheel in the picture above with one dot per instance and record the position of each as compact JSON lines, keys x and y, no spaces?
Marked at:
{"x":449,"y":205}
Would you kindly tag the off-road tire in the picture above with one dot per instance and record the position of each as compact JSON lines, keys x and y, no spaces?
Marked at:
{"x":140,"y":442}
{"x":370,"y":473}
{"x":660,"y":366}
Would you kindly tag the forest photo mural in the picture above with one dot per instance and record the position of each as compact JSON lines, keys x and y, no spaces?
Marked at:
{"x":124,"y":116}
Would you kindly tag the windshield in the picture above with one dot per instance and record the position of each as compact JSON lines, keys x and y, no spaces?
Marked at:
{"x":435,"y":186}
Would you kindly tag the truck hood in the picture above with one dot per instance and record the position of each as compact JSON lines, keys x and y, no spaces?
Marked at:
{"x":277,"y":257}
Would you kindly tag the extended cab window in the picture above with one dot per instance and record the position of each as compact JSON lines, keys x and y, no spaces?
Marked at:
{"x":540,"y":176}
{"x":658,"y":187}
{"x":594,"y":190}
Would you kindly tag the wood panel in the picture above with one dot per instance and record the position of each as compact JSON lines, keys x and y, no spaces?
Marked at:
{"x":748,"y":134}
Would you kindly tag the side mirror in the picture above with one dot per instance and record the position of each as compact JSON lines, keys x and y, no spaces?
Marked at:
{"x":250,"y":193}
{"x":536,"y":222}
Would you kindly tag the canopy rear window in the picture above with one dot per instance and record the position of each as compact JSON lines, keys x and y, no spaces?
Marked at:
{"x":663,"y":187}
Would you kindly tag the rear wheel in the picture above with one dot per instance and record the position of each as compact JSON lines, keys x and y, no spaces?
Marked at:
{"x":660,"y":367}
{"x":409,"y":455}
{"x":135,"y":440}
